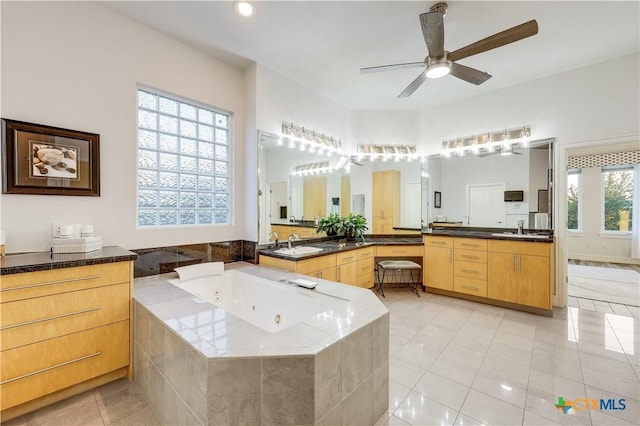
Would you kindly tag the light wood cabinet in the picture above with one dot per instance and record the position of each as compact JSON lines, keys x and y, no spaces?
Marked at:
{"x":520,"y":272}
{"x":315,"y":196}
{"x":438,"y":262}
{"x":385,"y":201}
{"x":61,"y":328}
{"x":352,"y":267}
{"x":470,"y":266}
{"x":284,"y":231}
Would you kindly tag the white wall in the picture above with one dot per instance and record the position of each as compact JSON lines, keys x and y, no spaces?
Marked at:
{"x":76,"y":65}
{"x":577,"y":105}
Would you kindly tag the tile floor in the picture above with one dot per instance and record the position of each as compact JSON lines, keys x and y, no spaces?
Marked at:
{"x":604,"y":282}
{"x":459,"y":362}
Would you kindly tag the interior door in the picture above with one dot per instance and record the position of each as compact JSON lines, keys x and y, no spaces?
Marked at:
{"x":486,"y":206}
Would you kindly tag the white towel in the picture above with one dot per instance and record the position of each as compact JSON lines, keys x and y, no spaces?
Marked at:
{"x":541,"y":220}
{"x":200,"y":270}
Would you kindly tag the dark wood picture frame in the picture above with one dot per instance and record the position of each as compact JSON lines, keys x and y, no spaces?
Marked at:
{"x":437,"y":199}
{"x":45,"y":160}
{"x":543,"y":201}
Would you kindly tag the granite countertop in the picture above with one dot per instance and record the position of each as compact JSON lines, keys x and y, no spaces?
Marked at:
{"x":530,"y":235}
{"x":43,"y":261}
{"x":333,"y":246}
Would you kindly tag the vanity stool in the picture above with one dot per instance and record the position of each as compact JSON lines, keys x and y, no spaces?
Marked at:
{"x":398,"y":265}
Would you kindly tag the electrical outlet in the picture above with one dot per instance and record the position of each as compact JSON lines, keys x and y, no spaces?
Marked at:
{"x":56,"y":228}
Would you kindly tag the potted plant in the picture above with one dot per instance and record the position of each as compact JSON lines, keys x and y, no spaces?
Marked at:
{"x":355,"y":225}
{"x":333,"y":225}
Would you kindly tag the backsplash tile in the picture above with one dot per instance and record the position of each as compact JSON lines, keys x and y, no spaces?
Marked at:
{"x":160,"y":260}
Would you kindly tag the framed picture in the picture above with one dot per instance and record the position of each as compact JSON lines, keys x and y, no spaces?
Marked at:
{"x":49,"y":160}
{"x":437,"y":199}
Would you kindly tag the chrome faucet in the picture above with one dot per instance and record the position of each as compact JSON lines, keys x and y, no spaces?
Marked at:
{"x":520,"y":226}
{"x":292,"y":237}
{"x":273,"y":234}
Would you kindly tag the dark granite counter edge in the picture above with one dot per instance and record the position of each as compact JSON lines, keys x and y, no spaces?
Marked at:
{"x":383,"y":241}
{"x":46,"y":261}
{"x":487,"y":236}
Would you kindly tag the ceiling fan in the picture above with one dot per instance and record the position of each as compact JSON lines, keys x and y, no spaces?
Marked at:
{"x":439,"y":62}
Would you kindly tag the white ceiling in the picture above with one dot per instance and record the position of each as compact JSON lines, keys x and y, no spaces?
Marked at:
{"x":323,"y":44}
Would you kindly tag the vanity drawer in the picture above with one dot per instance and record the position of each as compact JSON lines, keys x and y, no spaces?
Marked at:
{"x":366,"y":253}
{"x":438,"y":241}
{"x":470,"y":269}
{"x":346,"y":257}
{"x":316,"y":264}
{"x":364,"y":273}
{"x":470,"y":244}
{"x":35,"y":370}
{"x":43,"y":283}
{"x":399,"y":251}
{"x":470,"y":255}
{"x":470,"y":286}
{"x":32,"y":320}
{"x":520,"y":247}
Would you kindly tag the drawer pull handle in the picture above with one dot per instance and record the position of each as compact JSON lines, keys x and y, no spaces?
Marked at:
{"x":24,"y":376}
{"x":438,"y":242}
{"x":344,"y":259}
{"x":466,"y":256}
{"x":468,"y":287}
{"x":70,"y":280}
{"x":84,"y":311}
{"x":471,"y":271}
{"x":470,"y":244}
{"x":398,"y":251}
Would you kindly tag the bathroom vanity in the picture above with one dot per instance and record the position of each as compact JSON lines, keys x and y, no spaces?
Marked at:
{"x":505,"y":269}
{"x":64,"y":325}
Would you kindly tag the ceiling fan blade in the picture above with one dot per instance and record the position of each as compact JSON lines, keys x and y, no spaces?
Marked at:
{"x":471,"y":75}
{"x":497,"y":40}
{"x":391,"y":67}
{"x":433,"y":32}
{"x":413,"y":86}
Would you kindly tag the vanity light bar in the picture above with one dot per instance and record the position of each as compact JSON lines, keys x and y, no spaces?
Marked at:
{"x":501,"y":140}
{"x":307,"y":139}
{"x":387,"y":152}
{"x":318,"y":168}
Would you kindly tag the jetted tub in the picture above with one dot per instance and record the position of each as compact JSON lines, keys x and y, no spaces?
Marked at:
{"x":258,"y":350}
{"x":271,"y":305}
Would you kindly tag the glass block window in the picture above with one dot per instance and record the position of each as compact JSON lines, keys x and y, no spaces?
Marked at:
{"x":183,"y":162}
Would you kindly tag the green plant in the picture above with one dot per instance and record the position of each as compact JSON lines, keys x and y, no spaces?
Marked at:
{"x":355,"y":225}
{"x":332,"y":225}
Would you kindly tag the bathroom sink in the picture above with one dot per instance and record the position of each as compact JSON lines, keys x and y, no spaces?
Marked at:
{"x":298,"y":251}
{"x":541,"y":237}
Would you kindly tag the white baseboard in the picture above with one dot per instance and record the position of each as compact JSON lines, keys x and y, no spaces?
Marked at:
{"x":610,"y":259}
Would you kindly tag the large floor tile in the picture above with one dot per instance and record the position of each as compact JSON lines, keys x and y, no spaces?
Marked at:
{"x":397,"y":394}
{"x":442,"y":389}
{"x":418,"y":409}
{"x":490,"y":410}
{"x":453,"y":370}
{"x":501,"y":387}
{"x":404,"y":373}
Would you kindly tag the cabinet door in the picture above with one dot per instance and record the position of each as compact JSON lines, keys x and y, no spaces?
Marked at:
{"x":502,"y":277}
{"x":438,"y":270}
{"x":377,"y":203}
{"x":347,"y":273}
{"x":533,"y":281}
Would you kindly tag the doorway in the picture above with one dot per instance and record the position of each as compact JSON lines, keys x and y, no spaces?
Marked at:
{"x":485,"y":205}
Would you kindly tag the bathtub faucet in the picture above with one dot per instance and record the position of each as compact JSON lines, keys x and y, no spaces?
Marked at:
{"x":292,"y":237}
{"x":274,"y":235}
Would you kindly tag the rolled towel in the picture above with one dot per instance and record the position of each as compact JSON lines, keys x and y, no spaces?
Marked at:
{"x":200,"y":270}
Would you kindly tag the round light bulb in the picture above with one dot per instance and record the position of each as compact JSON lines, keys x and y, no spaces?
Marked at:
{"x":243,"y":8}
{"x":438,"y":70}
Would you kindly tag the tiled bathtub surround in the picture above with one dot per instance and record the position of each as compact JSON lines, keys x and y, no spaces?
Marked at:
{"x":197,"y":364}
{"x":160,"y":260}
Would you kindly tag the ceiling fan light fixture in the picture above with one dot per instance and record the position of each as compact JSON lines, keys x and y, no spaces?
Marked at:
{"x":243,"y":8}
{"x":438,"y":70}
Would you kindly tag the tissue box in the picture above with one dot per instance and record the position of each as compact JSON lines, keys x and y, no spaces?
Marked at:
{"x":76,"y":245}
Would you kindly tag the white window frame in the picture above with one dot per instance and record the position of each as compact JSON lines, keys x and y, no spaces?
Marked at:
{"x":229,"y":160}
{"x":577,"y":172}
{"x":605,"y":232}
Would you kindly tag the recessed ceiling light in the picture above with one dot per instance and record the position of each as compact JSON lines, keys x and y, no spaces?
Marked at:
{"x":243,"y":8}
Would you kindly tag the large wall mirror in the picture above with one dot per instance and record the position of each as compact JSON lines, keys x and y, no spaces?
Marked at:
{"x":398,"y":197}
